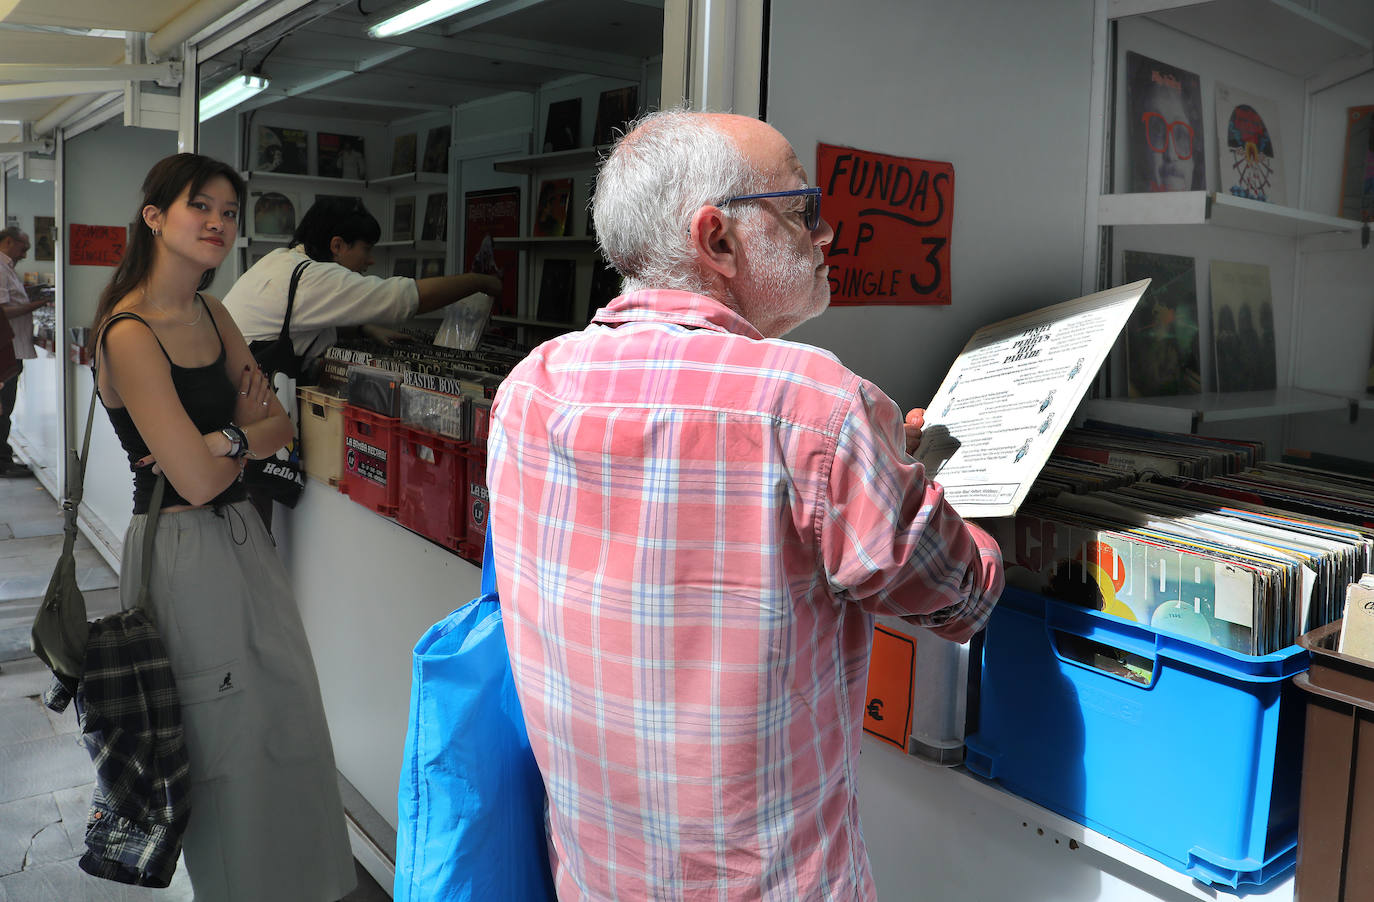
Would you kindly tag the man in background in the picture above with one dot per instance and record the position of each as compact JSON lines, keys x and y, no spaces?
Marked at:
{"x":694,"y":524}
{"x":18,"y":311}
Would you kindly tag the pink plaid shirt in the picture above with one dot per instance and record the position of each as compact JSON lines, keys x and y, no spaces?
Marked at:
{"x":693,"y":529}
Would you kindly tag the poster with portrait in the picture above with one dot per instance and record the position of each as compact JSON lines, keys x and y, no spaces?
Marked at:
{"x":1248,"y":160}
{"x":431,"y":267}
{"x":339,"y":156}
{"x":488,"y":215}
{"x":436,"y":149}
{"x":1243,"y":327}
{"x":893,"y":218}
{"x":282,"y":150}
{"x":1165,"y":145}
{"x":44,"y":229}
{"x":272,"y":215}
{"x":1357,"y":176}
{"x":1162,"y":346}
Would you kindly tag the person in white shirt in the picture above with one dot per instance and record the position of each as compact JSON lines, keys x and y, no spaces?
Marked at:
{"x":18,"y":310}
{"x":334,"y":291}
{"x":336,"y":236}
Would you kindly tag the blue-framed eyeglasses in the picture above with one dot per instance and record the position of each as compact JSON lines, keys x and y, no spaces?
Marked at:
{"x":811,"y":213}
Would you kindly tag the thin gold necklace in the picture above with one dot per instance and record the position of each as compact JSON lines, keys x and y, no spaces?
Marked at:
{"x":200,"y":308}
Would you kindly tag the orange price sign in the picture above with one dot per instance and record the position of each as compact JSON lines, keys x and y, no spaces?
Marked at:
{"x":891,"y":670}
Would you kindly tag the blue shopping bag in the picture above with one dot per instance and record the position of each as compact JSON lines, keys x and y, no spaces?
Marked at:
{"x":471,"y":800}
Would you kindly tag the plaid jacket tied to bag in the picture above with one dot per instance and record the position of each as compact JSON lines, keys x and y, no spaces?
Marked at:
{"x":130,"y":720}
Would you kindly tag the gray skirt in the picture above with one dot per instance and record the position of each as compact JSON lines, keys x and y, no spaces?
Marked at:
{"x":266,"y":819}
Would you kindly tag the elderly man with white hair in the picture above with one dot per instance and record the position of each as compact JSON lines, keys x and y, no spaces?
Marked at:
{"x":17,"y":309}
{"x":695,"y":523}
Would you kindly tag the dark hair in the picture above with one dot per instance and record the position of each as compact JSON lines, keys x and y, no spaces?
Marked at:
{"x":162,"y":185}
{"x":345,"y":217}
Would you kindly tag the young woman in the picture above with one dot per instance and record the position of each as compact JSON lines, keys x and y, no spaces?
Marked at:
{"x":186,"y":400}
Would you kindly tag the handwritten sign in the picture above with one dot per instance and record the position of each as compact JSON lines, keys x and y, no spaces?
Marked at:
{"x":93,"y":245}
{"x":891,"y":669}
{"x":892,"y":218}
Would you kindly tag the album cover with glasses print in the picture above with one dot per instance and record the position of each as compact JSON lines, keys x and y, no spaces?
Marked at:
{"x":1165,"y":145}
{"x":1248,"y":161}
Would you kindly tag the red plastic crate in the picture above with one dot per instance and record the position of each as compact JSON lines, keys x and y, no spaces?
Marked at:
{"x":371,"y":449}
{"x":433,"y":492}
{"x":474,"y":521}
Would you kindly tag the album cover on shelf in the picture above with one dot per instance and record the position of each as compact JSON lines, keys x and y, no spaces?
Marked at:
{"x":556,"y":291}
{"x":403,"y":219}
{"x":404,"y":266}
{"x":1162,"y":344}
{"x":1249,"y":162}
{"x":605,"y":287}
{"x":1243,"y":343}
{"x":340,"y":156}
{"x":614,"y":109}
{"x":430,"y":267}
{"x":1164,"y":127}
{"x":403,"y":154}
{"x":282,"y":150}
{"x":551,"y":215}
{"x":436,"y":217}
{"x":436,"y":148}
{"x":1357,"y":176}
{"x":488,"y":215}
{"x":563,"y":127}
{"x":272,"y":215}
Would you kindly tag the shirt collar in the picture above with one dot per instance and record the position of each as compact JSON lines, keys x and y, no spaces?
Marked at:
{"x":5,"y":258}
{"x":683,"y":308}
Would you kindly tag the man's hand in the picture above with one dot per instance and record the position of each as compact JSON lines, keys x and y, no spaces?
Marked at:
{"x":915,"y":422}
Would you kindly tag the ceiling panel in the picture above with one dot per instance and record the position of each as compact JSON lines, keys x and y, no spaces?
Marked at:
{"x":122,"y":15}
{"x":36,"y":47}
{"x":606,"y":26}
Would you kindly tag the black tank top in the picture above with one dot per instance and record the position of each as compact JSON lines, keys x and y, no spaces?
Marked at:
{"x":209,"y":398}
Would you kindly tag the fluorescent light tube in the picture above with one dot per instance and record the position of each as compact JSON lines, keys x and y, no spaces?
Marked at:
{"x":230,"y":94}
{"x":420,"y":16}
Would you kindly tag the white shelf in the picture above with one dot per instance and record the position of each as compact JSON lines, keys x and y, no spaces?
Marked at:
{"x":578,"y":156}
{"x":1201,"y":207}
{"x":1183,"y":413}
{"x":409,"y":178}
{"x":571,"y":241}
{"x":1278,"y":33}
{"x":255,"y":175}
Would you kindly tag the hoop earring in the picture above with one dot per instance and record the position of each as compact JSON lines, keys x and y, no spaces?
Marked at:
{"x":157,"y":233}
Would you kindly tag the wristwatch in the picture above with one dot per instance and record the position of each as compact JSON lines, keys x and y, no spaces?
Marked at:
{"x":238,"y":442}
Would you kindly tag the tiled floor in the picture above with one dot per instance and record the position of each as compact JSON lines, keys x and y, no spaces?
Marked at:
{"x":46,"y":776}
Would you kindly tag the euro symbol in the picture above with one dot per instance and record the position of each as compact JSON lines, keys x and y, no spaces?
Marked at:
{"x":875,"y":709}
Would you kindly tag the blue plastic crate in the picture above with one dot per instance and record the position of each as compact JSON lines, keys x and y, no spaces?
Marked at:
{"x":1194,"y":757}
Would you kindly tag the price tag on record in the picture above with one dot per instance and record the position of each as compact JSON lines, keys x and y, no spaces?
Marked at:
{"x":891,"y":670}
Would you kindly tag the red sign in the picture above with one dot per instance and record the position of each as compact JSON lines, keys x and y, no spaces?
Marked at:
{"x":97,"y":245}
{"x":891,"y":674}
{"x":892,"y":218}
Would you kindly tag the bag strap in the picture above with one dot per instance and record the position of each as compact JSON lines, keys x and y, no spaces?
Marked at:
{"x":285,"y":334}
{"x":488,"y":565}
{"x":149,"y":533}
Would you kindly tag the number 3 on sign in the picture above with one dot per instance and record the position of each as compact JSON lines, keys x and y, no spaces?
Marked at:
{"x":891,"y":669}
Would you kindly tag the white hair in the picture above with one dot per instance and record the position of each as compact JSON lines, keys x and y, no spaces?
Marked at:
{"x":668,"y":165}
